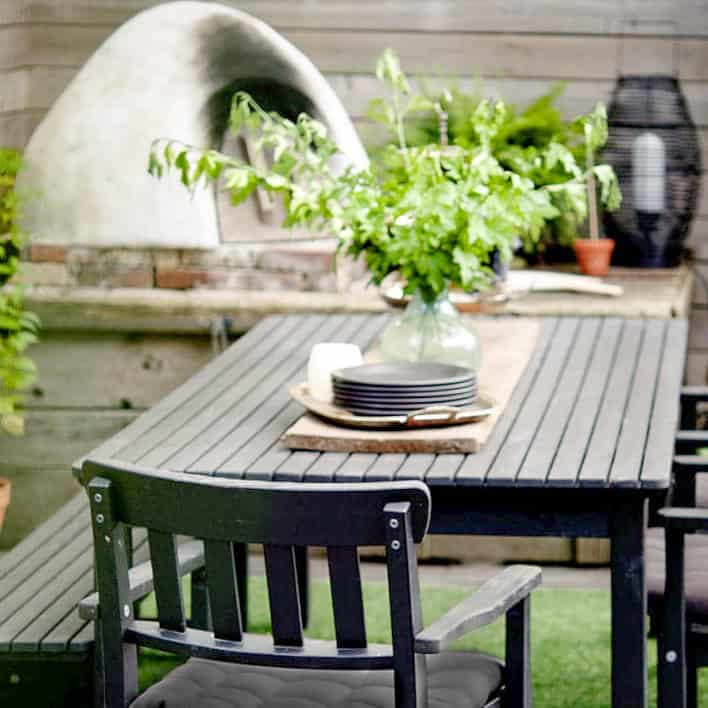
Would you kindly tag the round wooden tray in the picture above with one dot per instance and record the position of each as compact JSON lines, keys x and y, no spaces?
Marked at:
{"x":431,"y":417}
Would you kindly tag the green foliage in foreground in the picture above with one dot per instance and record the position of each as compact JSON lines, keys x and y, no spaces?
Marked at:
{"x":18,"y":328}
{"x":570,"y":638}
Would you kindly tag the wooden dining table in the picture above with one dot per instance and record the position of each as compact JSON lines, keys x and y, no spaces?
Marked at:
{"x":583,"y":448}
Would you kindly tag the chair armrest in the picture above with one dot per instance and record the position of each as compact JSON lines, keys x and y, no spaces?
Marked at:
{"x":486,"y":604}
{"x":190,"y":557}
{"x":685,"y":468}
{"x":691,"y":396}
{"x":694,"y":394}
{"x":684,"y":519}
{"x":690,"y":465}
{"x":687,"y":442}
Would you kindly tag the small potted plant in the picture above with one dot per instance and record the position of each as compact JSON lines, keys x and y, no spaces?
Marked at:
{"x":433,"y":213}
{"x":594,"y":253}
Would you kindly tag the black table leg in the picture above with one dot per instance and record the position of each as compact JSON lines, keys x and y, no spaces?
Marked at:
{"x":241,"y":562}
{"x":303,"y":582}
{"x":628,"y":522}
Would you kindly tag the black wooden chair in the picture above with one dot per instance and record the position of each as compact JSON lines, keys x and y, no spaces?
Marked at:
{"x":677,"y":567}
{"x":229,"y":667}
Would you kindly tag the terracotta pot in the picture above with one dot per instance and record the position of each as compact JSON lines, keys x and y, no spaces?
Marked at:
{"x":5,"y":493}
{"x":593,"y":255}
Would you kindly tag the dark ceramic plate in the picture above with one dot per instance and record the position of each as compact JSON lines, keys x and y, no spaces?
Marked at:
{"x":452,"y":389}
{"x":402,"y":402}
{"x":404,"y":374}
{"x":342,"y":399}
{"x":406,"y":394}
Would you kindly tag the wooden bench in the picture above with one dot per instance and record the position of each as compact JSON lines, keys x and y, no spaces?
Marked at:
{"x":46,"y":647}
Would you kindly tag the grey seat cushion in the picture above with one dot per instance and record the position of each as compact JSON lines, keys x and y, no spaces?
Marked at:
{"x":696,"y":577}
{"x":455,"y":680}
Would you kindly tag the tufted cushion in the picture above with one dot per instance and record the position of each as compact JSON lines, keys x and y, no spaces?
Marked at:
{"x":455,"y":680}
{"x":696,"y":578}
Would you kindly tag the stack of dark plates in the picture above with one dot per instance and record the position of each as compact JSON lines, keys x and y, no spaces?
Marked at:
{"x":399,"y":388}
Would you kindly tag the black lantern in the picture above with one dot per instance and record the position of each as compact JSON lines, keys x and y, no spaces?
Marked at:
{"x":654,"y":149}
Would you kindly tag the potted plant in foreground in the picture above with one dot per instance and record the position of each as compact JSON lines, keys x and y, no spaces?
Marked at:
{"x":594,"y":253}
{"x":435,"y":214}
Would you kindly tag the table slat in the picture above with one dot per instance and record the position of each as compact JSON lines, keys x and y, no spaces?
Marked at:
{"x":236,"y":452}
{"x":229,"y":400}
{"x":539,"y":458}
{"x":355,"y":467}
{"x":474,"y":468}
{"x":415,"y":466}
{"x":627,"y":462}
{"x":257,"y":338}
{"x":295,"y":467}
{"x":658,"y":456}
{"x":385,"y":467}
{"x":608,"y":421}
{"x":325,"y":467}
{"x":571,"y":451}
{"x":444,"y":468}
{"x":504,"y":469}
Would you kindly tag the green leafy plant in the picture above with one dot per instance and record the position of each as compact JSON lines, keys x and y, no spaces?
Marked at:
{"x":537,"y":144}
{"x":435,"y":214}
{"x":18,"y":328}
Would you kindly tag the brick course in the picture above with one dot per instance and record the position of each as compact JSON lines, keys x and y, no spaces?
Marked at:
{"x":254,"y":266}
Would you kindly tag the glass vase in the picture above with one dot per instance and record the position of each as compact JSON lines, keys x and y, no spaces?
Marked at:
{"x":431,"y":331}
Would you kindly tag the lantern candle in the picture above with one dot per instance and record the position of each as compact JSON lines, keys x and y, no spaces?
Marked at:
{"x":649,"y":173}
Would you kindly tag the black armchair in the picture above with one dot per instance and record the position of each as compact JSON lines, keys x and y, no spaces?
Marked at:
{"x":229,"y":665}
{"x":677,"y":567}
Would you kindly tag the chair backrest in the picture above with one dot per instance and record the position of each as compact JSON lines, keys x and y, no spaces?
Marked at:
{"x":281,"y":516}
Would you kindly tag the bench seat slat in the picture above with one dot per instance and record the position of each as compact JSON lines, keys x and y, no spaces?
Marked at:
{"x":30,"y":638}
{"x":27,"y":607}
{"x":44,"y":580}
{"x":42,"y":554}
{"x":37,"y":538}
{"x":72,"y":634}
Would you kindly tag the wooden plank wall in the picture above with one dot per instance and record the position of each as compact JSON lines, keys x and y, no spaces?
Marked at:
{"x":519,"y":48}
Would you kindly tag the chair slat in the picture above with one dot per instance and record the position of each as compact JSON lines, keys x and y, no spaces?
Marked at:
{"x":347,"y":603}
{"x":223,"y":590}
{"x":283,"y":595}
{"x":168,"y":589}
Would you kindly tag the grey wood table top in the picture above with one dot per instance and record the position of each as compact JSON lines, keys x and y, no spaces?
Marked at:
{"x":597,"y":406}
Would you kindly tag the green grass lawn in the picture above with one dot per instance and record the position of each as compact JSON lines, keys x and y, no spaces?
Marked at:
{"x":570,"y":637}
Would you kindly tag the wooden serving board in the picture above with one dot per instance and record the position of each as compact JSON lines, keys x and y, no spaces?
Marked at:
{"x":507,"y":345}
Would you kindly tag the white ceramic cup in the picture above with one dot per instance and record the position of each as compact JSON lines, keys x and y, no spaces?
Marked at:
{"x":325,"y":358}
